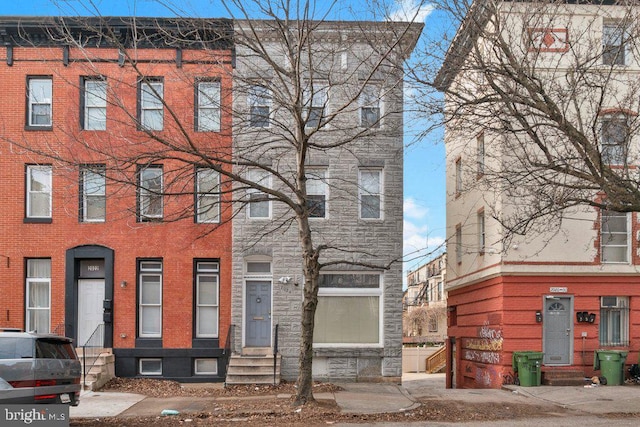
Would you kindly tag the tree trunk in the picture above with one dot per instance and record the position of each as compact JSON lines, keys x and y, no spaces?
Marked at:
{"x":311,"y":270}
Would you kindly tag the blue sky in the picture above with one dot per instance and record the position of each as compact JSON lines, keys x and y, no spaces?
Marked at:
{"x":424,"y":188}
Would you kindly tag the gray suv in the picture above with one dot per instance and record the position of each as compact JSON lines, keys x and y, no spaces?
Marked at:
{"x":38,"y":368}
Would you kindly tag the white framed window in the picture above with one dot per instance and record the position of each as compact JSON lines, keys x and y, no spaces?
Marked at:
{"x":207,"y":366}
{"x":614,"y":236}
{"x":370,"y":107}
{"x":150,"y":299}
{"x":95,"y":104}
{"x":93,"y":190}
{"x":207,"y":195}
{"x":208,"y":114}
{"x":614,"y":321}
{"x":481,"y":232}
{"x":150,"y":188}
{"x":151,"y":94}
{"x":38,"y":296}
{"x":614,"y":136}
{"x":371,"y":184}
{"x":614,"y":41}
{"x":315,"y":102}
{"x":480,"y":154}
{"x":350,"y":310}
{"x":39,"y":191}
{"x":317,"y":193}
{"x":148,"y":366}
{"x":433,"y":323}
{"x":40,"y":100}
{"x":207,"y":293}
{"x":259,"y":203}
{"x":260,"y":102}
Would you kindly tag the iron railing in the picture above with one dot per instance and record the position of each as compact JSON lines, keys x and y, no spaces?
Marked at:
{"x":275,"y":352}
{"x":229,"y":346}
{"x":91,"y":350}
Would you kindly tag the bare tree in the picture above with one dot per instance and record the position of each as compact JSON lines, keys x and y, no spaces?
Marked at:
{"x":306,"y":92}
{"x":543,"y":94}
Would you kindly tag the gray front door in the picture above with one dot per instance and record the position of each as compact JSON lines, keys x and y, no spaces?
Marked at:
{"x":558,"y":332}
{"x":258,"y":312}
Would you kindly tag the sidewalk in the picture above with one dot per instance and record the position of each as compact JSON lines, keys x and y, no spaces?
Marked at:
{"x":363,"y":398}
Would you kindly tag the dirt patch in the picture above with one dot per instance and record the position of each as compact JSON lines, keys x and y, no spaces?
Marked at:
{"x":261,"y":406}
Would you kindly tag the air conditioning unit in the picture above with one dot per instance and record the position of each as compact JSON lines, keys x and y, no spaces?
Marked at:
{"x":611,"y":302}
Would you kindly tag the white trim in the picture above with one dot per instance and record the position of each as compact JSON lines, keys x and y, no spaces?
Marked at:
{"x":48,"y":190}
{"x":198,"y":372}
{"x":149,"y":359}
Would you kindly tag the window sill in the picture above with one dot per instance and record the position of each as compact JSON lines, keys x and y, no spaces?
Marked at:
{"x":38,"y":220}
{"x":36,"y":128}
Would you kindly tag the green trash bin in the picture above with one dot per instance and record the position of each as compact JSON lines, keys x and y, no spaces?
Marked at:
{"x":527,"y":364}
{"x":611,"y":365}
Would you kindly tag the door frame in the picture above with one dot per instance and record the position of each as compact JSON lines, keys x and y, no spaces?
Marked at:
{"x":73,"y":257}
{"x":245,"y":311}
{"x":570,"y":339}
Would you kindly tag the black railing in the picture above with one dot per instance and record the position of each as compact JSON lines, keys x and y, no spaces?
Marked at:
{"x":275,"y":353}
{"x":91,"y":351}
{"x":229,"y":346}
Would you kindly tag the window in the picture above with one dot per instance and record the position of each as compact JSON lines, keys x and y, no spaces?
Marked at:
{"x":208,"y":114}
{"x":150,"y":367}
{"x":458,"y":177}
{"x":614,"y":321}
{"x":259,"y":100}
{"x":93,"y":193}
{"x":150,"y":193}
{"x":38,"y":296}
{"x":95,"y":104}
{"x":614,"y":133}
{"x":259,"y":204}
{"x":440,"y":291}
{"x":206,"y":299}
{"x":40,"y":99}
{"x":151,"y":93}
{"x":614,"y":237}
{"x":150,"y":299}
{"x":433,"y":323}
{"x":370,"y":194}
{"x":481,"y":232}
{"x":315,"y":102}
{"x":480,"y":154}
{"x":458,"y":244}
{"x":207,"y":196}
{"x":39,"y":191}
{"x":205,"y":366}
{"x":613,"y":43}
{"x":316,"y":194}
{"x":370,"y":107}
{"x":349,"y":310}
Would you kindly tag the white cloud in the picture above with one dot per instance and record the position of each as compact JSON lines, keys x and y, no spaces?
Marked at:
{"x":412,"y":209}
{"x":410,"y":11}
{"x":419,"y":246}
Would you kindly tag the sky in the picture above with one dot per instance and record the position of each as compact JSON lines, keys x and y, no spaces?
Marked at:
{"x":424,"y":179}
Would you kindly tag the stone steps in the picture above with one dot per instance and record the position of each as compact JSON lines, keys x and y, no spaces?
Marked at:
{"x":248,"y":369}
{"x":563,"y":377}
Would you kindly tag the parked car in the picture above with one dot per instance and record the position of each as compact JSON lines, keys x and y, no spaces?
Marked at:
{"x":38,"y":368}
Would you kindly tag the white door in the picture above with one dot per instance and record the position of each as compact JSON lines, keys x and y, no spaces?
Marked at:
{"x":90,"y":299}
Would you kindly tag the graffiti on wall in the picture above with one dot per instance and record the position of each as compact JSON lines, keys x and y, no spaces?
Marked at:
{"x":486,"y":348}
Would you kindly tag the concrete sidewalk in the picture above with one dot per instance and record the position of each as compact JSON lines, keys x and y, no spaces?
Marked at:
{"x":365,"y":398}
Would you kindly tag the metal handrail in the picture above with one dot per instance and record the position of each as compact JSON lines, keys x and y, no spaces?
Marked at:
{"x":92,"y":348}
{"x":275,"y":353}
{"x":228,"y":346}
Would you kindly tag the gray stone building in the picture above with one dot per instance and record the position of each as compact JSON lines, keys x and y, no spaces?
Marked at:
{"x":320,"y":102}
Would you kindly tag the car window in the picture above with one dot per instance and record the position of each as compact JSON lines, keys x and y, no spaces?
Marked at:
{"x":16,"y":348}
{"x":53,"y":349}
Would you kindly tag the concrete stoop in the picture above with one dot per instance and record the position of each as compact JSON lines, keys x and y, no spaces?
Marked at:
{"x":253,"y":369}
{"x":101,"y":371}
